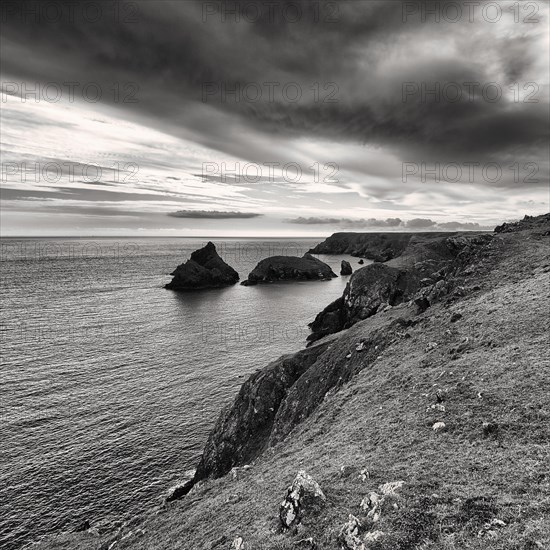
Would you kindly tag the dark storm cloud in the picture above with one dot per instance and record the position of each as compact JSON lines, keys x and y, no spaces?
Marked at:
{"x":182,"y":54}
{"x":212,"y":214}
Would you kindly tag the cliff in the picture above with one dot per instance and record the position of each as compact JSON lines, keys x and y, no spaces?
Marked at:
{"x":379,"y":247}
{"x":289,"y":268}
{"x":422,"y":428}
{"x":428,"y":264}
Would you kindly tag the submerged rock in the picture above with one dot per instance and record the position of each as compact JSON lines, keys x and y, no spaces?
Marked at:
{"x":303,"y":496}
{"x":289,"y":268}
{"x":205,"y":269}
{"x":345,"y":268}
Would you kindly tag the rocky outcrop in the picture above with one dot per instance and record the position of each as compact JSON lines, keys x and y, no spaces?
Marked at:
{"x":304,"y":497}
{"x":205,"y":269}
{"x":369,"y":288}
{"x":528,"y":222}
{"x":379,"y":247}
{"x":345,"y":268}
{"x":419,"y":273}
{"x":243,"y":430}
{"x":289,"y":268}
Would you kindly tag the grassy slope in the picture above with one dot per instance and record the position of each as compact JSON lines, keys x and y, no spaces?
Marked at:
{"x":454,"y":481}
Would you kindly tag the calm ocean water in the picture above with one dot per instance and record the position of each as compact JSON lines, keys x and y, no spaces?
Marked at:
{"x":110,"y":383}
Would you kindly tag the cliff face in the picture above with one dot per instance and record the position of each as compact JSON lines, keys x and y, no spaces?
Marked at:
{"x":379,"y":247}
{"x":280,"y":397}
{"x":424,"y":264}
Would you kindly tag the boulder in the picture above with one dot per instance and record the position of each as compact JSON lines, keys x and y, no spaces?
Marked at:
{"x":289,"y":268}
{"x":345,"y":268}
{"x":348,"y":537}
{"x":205,"y":269}
{"x":303,"y":497}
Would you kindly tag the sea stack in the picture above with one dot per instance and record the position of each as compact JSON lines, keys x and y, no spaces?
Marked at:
{"x":345,"y":268}
{"x":204,"y":270}
{"x":289,"y":268}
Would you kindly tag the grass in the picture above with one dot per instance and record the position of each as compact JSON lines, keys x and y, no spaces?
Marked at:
{"x":456,"y":481}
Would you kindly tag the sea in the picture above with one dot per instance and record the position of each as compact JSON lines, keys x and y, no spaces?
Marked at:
{"x":109,"y":383}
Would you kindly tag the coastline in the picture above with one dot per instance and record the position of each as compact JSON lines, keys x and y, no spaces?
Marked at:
{"x":396,"y":352}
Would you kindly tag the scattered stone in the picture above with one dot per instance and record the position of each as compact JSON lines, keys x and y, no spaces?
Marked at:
{"x":489,"y":529}
{"x":345,"y":268}
{"x":364,"y":475}
{"x":455,"y":317}
{"x":233,"y":499}
{"x":348,"y":537}
{"x":372,"y":506}
{"x":431,"y":346}
{"x":360,"y":346}
{"x":238,"y":544}
{"x":439,"y":427}
{"x":303,"y":496}
{"x":391,"y":488}
{"x":361,"y":261}
{"x":178,"y":491}
{"x":373,"y":536}
{"x":236,"y":471}
{"x":436,"y":407}
{"x":348,"y":356}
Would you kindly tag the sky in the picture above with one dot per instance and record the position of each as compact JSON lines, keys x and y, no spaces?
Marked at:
{"x":272,"y":118}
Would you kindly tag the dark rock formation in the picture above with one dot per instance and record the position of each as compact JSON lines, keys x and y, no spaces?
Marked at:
{"x":345,"y":268}
{"x":205,"y":269}
{"x":379,"y":247}
{"x":361,"y":261}
{"x":417,"y":274}
{"x":303,"y":497}
{"x":289,"y":268}
{"x":242,"y":431}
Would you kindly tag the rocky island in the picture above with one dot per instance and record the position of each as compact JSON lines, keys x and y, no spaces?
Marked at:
{"x":400,"y":428}
{"x":289,"y":268}
{"x":205,"y":269}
